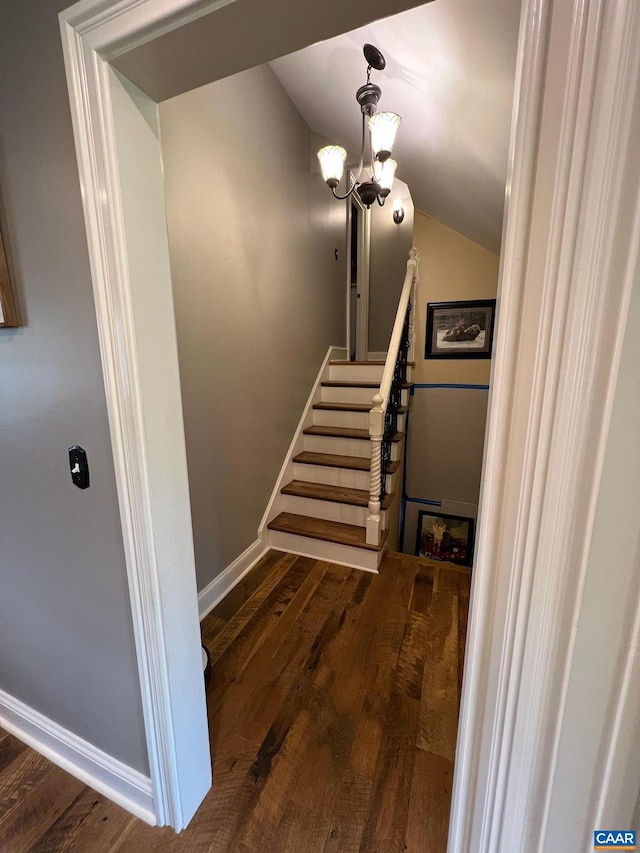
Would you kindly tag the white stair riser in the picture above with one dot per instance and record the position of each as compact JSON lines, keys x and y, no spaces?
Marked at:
{"x":330,"y":510}
{"x":344,"y":555}
{"x":348,"y":395}
{"x":331,"y":417}
{"x":331,"y":394}
{"x":343,"y":446}
{"x":354,"y":420}
{"x":336,"y":476}
{"x":359,"y":372}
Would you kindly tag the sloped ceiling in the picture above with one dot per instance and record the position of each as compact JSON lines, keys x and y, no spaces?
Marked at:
{"x":450,"y":75}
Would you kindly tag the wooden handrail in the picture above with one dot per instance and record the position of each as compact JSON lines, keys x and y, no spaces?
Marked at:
{"x":380,"y":402}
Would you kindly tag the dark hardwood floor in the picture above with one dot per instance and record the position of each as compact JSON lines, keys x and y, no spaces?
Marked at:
{"x":333,"y":709}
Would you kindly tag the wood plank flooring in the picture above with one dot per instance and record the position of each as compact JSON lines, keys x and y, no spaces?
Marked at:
{"x":333,"y":709}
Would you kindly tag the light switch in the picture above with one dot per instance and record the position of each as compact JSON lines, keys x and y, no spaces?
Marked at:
{"x":79,"y":467}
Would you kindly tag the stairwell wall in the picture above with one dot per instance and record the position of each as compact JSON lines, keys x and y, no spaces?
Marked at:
{"x":390,"y":246}
{"x":259,"y":294}
{"x":449,"y":406}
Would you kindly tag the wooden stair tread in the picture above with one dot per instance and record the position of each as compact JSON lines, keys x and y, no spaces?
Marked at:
{"x":329,"y":531}
{"x":336,"y":383}
{"x":410,"y":363}
{"x":344,"y":407}
{"x":345,"y":432}
{"x":333,"y":460}
{"x":351,"y":407}
{"x":335,"y":494}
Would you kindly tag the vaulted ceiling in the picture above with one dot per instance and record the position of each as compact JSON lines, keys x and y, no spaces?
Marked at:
{"x":450,"y":75}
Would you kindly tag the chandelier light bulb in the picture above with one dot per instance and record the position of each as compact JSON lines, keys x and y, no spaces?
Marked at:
{"x":331,"y":159}
{"x":383,"y":128}
{"x":384,"y":174}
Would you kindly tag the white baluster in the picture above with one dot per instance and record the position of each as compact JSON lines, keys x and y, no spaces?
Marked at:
{"x":376,"y":430}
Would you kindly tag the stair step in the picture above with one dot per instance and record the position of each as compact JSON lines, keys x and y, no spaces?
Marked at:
{"x":345,"y":432}
{"x":344,"y":407}
{"x":335,"y":383}
{"x":410,"y":363}
{"x":352,"y":407}
{"x":332,"y":460}
{"x":336,"y":494}
{"x":320,"y":528}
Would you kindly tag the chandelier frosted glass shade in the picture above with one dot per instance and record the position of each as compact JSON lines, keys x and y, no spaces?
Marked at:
{"x":384,"y":174}
{"x":331,"y":159}
{"x":383,"y":128}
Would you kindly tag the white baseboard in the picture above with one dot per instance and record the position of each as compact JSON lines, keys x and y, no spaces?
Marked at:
{"x":107,"y":775}
{"x":229,"y":577}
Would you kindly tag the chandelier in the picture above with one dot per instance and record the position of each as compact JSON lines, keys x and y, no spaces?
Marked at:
{"x":383,"y":127}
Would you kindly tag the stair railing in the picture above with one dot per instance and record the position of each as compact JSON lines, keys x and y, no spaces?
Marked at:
{"x":383,"y":417}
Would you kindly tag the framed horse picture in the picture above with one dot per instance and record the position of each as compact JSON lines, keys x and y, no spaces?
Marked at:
{"x":8,"y":313}
{"x":460,"y":329}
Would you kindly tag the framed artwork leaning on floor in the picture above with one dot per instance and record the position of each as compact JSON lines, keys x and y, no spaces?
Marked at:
{"x":445,"y":537}
{"x":460,"y":329}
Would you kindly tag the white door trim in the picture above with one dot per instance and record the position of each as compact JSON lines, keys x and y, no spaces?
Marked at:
{"x":362,"y":284}
{"x":143,"y":400}
{"x":563,"y":299}
{"x":570,"y":249}
{"x":364,"y":272}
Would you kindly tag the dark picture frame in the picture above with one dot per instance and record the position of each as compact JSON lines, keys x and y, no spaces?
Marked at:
{"x":460,"y":329}
{"x":457,"y":539}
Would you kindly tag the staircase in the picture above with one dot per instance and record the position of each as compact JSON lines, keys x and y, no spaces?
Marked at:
{"x":327,"y":498}
{"x":332,"y":500}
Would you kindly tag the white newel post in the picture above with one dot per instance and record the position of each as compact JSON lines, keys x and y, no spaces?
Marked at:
{"x":376,"y":430}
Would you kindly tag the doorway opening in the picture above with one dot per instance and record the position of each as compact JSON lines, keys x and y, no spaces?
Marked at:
{"x":136,"y":139}
{"x":358,"y":265}
{"x":133,"y":122}
{"x":353,"y":279}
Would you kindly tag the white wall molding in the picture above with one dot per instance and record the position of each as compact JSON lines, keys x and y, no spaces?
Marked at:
{"x":222,"y":585}
{"x":142,"y":393}
{"x":123,"y":784}
{"x":568,"y":246}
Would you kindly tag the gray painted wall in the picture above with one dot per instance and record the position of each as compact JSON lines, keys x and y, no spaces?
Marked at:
{"x":390,"y":245}
{"x":66,"y":642}
{"x":445,"y":444}
{"x":259,"y":295}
